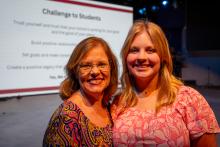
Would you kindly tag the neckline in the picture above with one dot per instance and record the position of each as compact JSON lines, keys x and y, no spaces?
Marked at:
{"x":93,"y":124}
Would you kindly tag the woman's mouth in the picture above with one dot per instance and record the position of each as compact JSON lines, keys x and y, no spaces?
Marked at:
{"x":142,"y":66}
{"x":95,"y":81}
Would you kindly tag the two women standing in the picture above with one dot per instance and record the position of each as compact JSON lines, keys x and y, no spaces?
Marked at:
{"x":153,"y":109}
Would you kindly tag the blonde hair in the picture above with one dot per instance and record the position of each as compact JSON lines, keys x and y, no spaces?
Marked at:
{"x":71,"y":83}
{"x":168,"y":83}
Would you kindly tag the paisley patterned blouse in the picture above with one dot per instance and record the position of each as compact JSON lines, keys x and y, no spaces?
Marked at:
{"x":69,"y":127}
{"x":174,"y":126}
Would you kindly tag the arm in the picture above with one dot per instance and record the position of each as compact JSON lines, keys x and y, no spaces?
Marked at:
{"x":198,"y":117}
{"x":206,"y":140}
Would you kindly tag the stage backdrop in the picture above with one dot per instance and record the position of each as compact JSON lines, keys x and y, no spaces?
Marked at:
{"x":37,"y":38}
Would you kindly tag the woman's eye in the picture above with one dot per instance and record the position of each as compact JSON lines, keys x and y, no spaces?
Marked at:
{"x":133,"y":50}
{"x":102,"y":65}
{"x":85,"y":65}
{"x":151,"y":50}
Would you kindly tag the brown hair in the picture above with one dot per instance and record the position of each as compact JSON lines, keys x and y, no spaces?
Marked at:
{"x":168,"y":84}
{"x":71,"y":83}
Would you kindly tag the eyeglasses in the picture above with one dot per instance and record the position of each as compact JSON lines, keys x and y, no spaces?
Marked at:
{"x":86,"y":68}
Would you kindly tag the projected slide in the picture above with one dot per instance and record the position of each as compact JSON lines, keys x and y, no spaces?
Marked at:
{"x":38,"y":36}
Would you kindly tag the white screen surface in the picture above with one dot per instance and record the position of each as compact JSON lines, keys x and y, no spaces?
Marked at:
{"x":37,"y":38}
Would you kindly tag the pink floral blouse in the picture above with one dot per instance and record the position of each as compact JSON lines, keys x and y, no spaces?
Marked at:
{"x":188,"y":118}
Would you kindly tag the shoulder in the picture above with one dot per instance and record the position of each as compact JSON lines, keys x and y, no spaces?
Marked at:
{"x":66,"y":112}
{"x":187,"y":90}
{"x":63,"y":123}
{"x":71,"y":110}
{"x":190,"y":102}
{"x":196,"y":112}
{"x":189,"y":95}
{"x":189,"y":98}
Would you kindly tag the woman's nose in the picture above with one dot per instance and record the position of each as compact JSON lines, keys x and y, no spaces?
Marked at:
{"x":142,"y":55}
{"x":95,"y":70}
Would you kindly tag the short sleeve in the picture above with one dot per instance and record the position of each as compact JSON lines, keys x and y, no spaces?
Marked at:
{"x":196,"y":112}
{"x":63,"y":128}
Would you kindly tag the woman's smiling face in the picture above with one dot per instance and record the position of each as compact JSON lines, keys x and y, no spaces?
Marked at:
{"x":143,"y":61}
{"x":94,"y":71}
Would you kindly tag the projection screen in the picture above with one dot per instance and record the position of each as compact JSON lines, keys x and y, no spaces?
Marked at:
{"x":38,"y":36}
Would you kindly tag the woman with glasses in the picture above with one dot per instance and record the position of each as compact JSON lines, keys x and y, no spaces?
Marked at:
{"x":83,"y":118}
{"x":155,"y":108}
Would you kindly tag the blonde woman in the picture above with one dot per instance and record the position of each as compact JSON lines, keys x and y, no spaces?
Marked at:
{"x":155,"y":108}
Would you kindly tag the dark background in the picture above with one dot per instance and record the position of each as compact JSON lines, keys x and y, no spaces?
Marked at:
{"x":199,"y":18}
